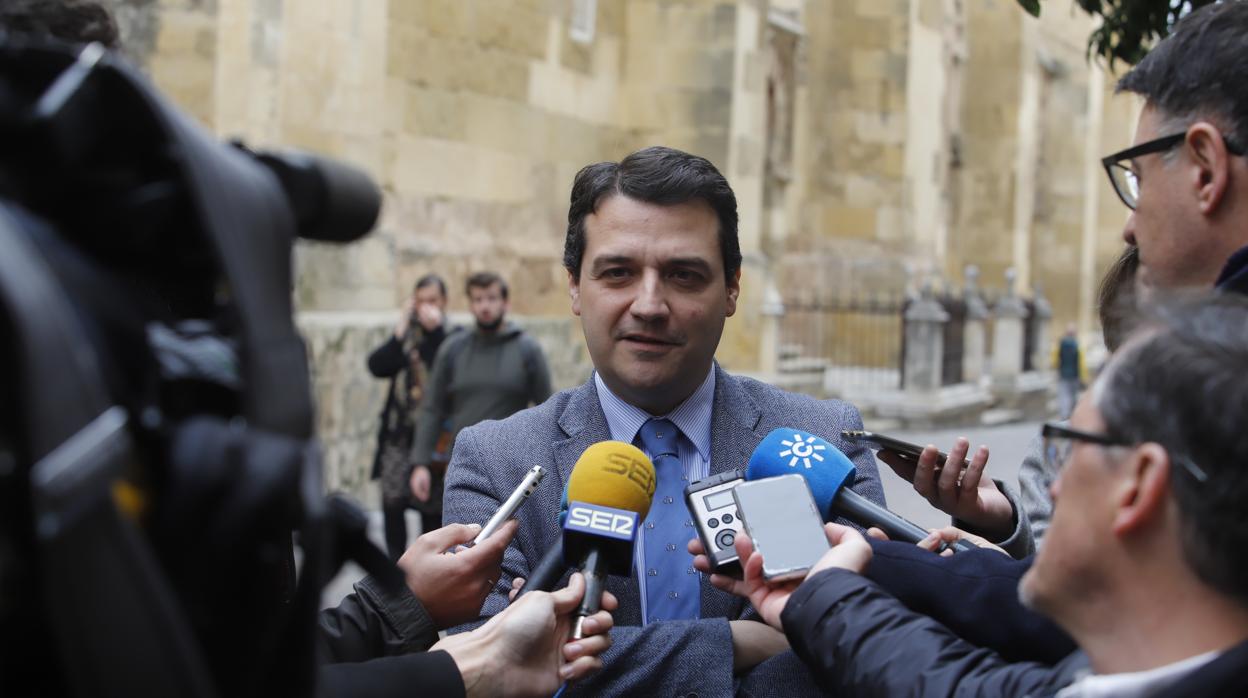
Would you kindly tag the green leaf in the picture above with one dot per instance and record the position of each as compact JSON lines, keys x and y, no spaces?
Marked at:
{"x":1032,"y":7}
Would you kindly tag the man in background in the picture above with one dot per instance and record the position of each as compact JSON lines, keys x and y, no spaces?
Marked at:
{"x":489,"y":372}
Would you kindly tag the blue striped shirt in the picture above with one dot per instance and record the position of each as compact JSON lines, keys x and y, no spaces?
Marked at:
{"x":693,"y":418}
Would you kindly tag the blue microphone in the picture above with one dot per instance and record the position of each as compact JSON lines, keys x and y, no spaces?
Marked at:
{"x":829,"y":473}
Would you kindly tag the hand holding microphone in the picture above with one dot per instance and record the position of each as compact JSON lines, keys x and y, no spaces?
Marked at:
{"x":830,"y":473}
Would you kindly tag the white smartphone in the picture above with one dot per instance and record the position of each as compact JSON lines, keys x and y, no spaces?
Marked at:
{"x":779,"y":515}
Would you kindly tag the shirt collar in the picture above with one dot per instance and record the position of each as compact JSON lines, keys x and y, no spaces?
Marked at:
{"x":1136,"y":683}
{"x":692,"y":417}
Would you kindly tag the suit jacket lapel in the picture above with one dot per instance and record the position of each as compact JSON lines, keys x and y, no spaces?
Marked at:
{"x":585,"y":425}
{"x":734,"y":418}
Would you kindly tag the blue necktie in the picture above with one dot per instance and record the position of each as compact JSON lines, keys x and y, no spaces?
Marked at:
{"x":673,"y":587}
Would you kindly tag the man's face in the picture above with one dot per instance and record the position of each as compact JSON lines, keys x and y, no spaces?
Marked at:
{"x":652,"y":297}
{"x":430,"y":296}
{"x":1176,"y":245}
{"x":1066,"y":568}
{"x":488,"y":306}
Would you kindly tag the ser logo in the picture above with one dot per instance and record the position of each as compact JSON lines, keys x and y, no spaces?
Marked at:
{"x":616,"y":523}
{"x":640,"y":472}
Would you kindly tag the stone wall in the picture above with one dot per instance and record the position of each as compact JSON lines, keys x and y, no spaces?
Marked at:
{"x":870,"y":142}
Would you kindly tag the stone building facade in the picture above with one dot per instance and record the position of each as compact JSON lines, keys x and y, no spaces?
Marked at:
{"x":871,"y":143}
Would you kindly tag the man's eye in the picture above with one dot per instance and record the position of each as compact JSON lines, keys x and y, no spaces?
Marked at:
{"x":616,"y":273}
{"x":685,"y":275}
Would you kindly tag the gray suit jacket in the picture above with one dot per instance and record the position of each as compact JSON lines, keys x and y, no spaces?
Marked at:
{"x":667,"y":658}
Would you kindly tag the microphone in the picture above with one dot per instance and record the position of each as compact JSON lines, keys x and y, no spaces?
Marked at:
{"x":608,"y":496}
{"x":829,"y":474}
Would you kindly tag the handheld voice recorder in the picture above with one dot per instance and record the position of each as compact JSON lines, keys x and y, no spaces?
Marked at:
{"x":715,"y":516}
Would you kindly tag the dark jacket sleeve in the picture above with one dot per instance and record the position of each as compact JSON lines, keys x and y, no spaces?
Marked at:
{"x":388,"y":359}
{"x":374,"y":622}
{"x":858,"y":640}
{"x":974,"y":594}
{"x":422,"y":674}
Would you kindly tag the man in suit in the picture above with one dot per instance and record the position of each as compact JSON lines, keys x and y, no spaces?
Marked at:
{"x":653,"y":266}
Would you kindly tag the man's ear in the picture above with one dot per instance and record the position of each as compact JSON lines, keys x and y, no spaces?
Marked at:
{"x":1212,"y":161}
{"x":734,"y":290}
{"x":574,"y":292}
{"x":1142,"y":489}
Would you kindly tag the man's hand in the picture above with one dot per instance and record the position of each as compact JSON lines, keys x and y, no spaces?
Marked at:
{"x":453,"y":585}
{"x":968,"y":496}
{"x":849,"y":551}
{"x":950,"y":535}
{"x":525,"y":649}
{"x":421,"y":482}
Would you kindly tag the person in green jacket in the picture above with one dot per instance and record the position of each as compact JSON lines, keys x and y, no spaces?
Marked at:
{"x":490,"y":372}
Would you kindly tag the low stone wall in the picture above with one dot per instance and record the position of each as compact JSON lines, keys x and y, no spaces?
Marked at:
{"x":349,"y":399}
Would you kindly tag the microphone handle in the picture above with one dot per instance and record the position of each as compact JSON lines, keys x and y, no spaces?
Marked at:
{"x":864,"y":512}
{"x":548,"y":571}
{"x":594,"y":568}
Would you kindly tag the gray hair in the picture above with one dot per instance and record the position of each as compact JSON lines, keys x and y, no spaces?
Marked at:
{"x":1180,"y":381}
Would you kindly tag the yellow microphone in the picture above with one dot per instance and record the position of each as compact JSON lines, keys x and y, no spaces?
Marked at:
{"x":608,"y":496}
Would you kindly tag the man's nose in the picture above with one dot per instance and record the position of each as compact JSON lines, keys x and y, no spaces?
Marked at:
{"x":1128,"y":229}
{"x":650,"y":303}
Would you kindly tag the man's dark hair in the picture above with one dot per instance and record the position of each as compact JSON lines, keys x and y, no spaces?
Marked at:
{"x":430,"y":280}
{"x":1198,"y":71}
{"x":656,"y":175}
{"x":486,"y":279}
{"x":1115,"y":300}
{"x":77,"y":21}
{"x":1179,"y":382}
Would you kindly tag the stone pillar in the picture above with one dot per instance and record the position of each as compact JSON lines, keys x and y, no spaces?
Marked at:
{"x":769,"y":338}
{"x":973,"y":330}
{"x":1007,"y":335}
{"x":925,"y":342}
{"x":1042,"y":320}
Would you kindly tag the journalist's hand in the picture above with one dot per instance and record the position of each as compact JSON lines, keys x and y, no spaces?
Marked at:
{"x":429,"y":316}
{"x":850,"y":551}
{"x":950,"y":535}
{"x":968,"y":496}
{"x":453,"y":585}
{"x":525,"y":651}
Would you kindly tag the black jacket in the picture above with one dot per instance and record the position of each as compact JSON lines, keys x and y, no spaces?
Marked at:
{"x":974,"y":594}
{"x":373,"y":644}
{"x":858,"y":640}
{"x":1234,"y":276}
{"x":389,"y":361}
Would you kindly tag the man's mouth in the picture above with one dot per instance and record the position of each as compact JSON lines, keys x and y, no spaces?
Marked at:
{"x":649,"y":340}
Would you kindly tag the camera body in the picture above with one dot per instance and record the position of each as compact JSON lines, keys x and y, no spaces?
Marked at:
{"x":716,"y":518}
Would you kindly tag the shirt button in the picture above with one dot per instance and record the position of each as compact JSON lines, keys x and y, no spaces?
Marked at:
{"x":688,"y":524}
{"x":671,"y":547}
{"x":652,"y":572}
{"x":650,"y":526}
{"x":667,"y":500}
{"x":672,"y":595}
{"x":690,"y":571}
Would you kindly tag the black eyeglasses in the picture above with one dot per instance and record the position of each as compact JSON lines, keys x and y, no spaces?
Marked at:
{"x":1126,"y":182}
{"x":1059,"y":443}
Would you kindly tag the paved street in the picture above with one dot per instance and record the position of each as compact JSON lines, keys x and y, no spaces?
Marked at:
{"x":1007,"y":444}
